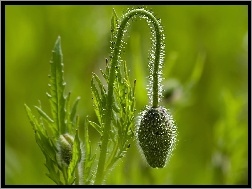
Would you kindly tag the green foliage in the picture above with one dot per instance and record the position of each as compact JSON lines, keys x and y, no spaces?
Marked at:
{"x":89,"y":158}
{"x":107,"y":104}
{"x":57,"y":87}
{"x":228,"y":133}
{"x":65,"y":154}
{"x":57,"y":146}
{"x":114,"y":107}
{"x":122,"y":120}
{"x":206,"y":71}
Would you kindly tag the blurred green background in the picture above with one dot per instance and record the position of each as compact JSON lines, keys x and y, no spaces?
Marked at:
{"x":206,"y":86}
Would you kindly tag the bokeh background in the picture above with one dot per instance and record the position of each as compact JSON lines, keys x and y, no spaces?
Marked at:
{"x":206,"y":86}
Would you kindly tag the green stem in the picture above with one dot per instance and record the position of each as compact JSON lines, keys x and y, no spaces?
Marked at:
{"x":114,"y":63}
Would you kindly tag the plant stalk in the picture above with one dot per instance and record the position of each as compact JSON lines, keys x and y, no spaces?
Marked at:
{"x":114,"y":63}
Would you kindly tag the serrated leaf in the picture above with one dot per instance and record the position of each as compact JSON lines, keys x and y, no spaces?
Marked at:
{"x":45,"y":144}
{"x":75,"y":158}
{"x":40,"y":137}
{"x":97,"y":101}
{"x":101,"y":95}
{"x":122,"y":116}
{"x":57,"y":86}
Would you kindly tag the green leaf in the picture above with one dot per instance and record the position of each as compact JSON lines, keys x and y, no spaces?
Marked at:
{"x":75,"y":158}
{"x":74,"y":108}
{"x":32,"y":118}
{"x":96,"y":126}
{"x":105,"y":74}
{"x":54,"y":178}
{"x":97,"y":101}
{"x":67,"y":106}
{"x":40,"y":136}
{"x":57,"y":86}
{"x":114,"y":24}
{"x":45,"y":145}
{"x":53,"y":174}
{"x":44,"y":115}
{"x":101,"y":87}
{"x":86,"y":139}
{"x":123,"y":116}
{"x":89,"y":159}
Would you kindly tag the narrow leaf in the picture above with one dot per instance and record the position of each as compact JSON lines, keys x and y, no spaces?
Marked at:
{"x":67,"y":107}
{"x":74,"y":108}
{"x":53,"y":174}
{"x":57,"y":86}
{"x":44,"y":144}
{"x":86,"y":139}
{"x":96,"y":126}
{"x":31,"y":117}
{"x":44,"y":115}
{"x":102,"y":89}
{"x":105,"y":76}
{"x":75,"y":158}
{"x":114,"y":21}
{"x":97,"y":101}
{"x":89,"y":159}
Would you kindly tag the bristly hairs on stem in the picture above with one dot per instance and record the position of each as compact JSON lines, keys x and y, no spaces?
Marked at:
{"x":155,"y":64}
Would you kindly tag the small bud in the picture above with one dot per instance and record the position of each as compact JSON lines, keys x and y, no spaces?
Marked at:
{"x":65,"y":147}
{"x":157,"y":136}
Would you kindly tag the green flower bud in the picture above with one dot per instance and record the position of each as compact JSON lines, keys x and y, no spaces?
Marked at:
{"x":157,"y":136}
{"x":65,"y":148}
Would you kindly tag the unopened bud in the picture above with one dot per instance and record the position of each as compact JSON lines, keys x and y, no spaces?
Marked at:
{"x":65,"y":147}
{"x":157,"y":136}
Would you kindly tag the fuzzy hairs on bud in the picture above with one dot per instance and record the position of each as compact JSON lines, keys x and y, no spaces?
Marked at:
{"x":156,"y":135}
{"x":65,"y":149}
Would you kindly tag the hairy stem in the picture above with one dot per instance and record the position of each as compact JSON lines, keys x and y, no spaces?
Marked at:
{"x":114,"y":63}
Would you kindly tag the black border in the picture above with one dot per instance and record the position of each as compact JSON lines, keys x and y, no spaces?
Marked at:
{"x":9,"y":3}
{"x":125,"y":2}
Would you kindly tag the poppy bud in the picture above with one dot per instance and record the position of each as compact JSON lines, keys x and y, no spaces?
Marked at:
{"x":157,"y":136}
{"x":65,"y":147}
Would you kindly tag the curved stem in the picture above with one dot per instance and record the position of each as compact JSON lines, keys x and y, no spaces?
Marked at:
{"x":114,"y":63}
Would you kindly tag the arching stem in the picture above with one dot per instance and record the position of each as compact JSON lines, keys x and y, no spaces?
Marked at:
{"x":114,"y":63}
